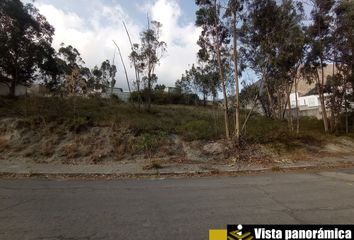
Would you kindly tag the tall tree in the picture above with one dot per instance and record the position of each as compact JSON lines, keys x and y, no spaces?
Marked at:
{"x":344,"y":37}
{"x":201,"y":79}
{"x":133,"y":48}
{"x":214,"y":41}
{"x":258,"y":35}
{"x":148,"y":54}
{"x":108,"y":72}
{"x":319,"y":38}
{"x":72,"y":64}
{"x":235,"y":11}
{"x":95,"y":81}
{"x":273,"y":43}
{"x":338,"y":99}
{"x":25,"y":43}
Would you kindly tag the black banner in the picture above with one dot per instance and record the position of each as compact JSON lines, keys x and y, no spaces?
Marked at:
{"x":289,"y":232}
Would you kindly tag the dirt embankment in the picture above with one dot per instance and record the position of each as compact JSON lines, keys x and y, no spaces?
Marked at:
{"x":41,"y":142}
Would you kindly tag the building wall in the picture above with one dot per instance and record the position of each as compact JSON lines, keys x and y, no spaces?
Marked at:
{"x":124,"y":96}
{"x":305,"y":101}
{"x":303,"y":86}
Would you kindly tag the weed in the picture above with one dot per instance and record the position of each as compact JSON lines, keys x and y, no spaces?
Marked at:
{"x":149,"y":142}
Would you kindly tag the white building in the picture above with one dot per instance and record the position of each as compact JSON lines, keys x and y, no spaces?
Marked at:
{"x":124,"y":96}
{"x":310,"y":101}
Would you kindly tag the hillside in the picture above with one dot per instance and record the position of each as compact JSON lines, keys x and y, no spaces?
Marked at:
{"x":98,"y":131}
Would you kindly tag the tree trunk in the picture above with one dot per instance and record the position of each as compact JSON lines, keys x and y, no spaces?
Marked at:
{"x":254,"y":105}
{"x":270,"y":102}
{"x":346,"y":122}
{"x":221,"y":75}
{"x":321,"y":95}
{"x":287,"y":101}
{"x":137,"y":76}
{"x":352,"y":68}
{"x":237,"y":96}
{"x":280,"y":105}
{"x":149,"y":92}
{"x":290,"y":115}
{"x":297,"y":110}
{"x":12,"y":88}
{"x":323,"y":109}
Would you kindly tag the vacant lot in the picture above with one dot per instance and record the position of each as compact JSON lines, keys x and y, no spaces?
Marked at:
{"x":83,"y":130}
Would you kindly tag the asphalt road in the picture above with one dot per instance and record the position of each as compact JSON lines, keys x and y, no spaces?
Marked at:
{"x":172,"y":208}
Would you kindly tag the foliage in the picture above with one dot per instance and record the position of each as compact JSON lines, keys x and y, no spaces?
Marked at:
{"x":213,"y":42}
{"x":273,"y":41}
{"x":25,"y":44}
{"x":147,"y":55}
{"x":149,"y":142}
{"x":103,"y":78}
{"x":159,"y":97}
{"x":343,"y":42}
{"x":201,"y":79}
{"x":338,"y":99}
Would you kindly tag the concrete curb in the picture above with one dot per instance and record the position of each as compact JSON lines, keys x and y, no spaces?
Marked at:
{"x":202,"y":173}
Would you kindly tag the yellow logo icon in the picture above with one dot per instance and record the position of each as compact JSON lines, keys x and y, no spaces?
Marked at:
{"x":239,"y":235}
{"x":234,"y":235}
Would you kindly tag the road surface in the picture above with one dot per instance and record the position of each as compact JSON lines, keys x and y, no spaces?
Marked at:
{"x":172,"y":208}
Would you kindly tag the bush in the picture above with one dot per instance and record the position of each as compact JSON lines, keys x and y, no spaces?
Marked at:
{"x":149,"y":142}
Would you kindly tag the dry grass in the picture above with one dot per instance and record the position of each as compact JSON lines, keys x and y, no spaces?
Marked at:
{"x":94,"y":130}
{"x":4,"y":143}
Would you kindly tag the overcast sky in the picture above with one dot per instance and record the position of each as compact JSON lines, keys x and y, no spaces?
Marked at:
{"x":90,"y":26}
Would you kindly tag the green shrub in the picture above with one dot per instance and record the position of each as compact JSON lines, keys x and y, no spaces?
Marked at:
{"x":149,"y":142}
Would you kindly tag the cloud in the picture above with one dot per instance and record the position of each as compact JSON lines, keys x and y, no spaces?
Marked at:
{"x":92,"y":35}
{"x":181,"y":40}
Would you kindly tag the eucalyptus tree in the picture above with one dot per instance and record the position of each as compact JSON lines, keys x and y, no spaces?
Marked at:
{"x":200,"y":79}
{"x":95,"y":82}
{"x":343,"y":52}
{"x":147,"y":55}
{"x":214,"y":41}
{"x":108,"y":73}
{"x":235,"y":12}
{"x":290,"y":57}
{"x":71,"y":56}
{"x":344,"y":38}
{"x":319,"y":35}
{"x":25,"y":43}
{"x":273,"y":43}
{"x":258,"y":35}
{"x":72,"y":64}
{"x":133,"y":58}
